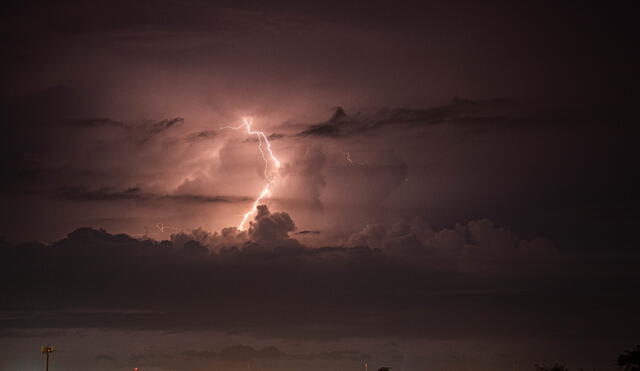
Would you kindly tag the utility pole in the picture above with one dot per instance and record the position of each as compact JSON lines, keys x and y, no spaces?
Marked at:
{"x":46,"y":350}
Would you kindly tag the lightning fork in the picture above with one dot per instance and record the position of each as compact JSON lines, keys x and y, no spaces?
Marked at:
{"x":269,"y":176}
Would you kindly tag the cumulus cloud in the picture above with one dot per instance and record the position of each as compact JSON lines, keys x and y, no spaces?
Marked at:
{"x":372,"y":235}
{"x":403,"y":279}
{"x":225,"y":238}
{"x":271,"y":229}
{"x":266,"y":230}
{"x":188,"y":172}
{"x":477,"y":244}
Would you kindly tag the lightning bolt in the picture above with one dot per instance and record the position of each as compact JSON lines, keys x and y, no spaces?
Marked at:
{"x":349,"y":159}
{"x":268,"y":157}
{"x":162,"y":227}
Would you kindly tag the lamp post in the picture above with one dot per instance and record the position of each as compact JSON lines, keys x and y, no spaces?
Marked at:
{"x":46,"y":350}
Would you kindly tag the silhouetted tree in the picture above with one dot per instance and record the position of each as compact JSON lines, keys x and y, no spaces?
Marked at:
{"x":556,"y":367}
{"x":630,"y":359}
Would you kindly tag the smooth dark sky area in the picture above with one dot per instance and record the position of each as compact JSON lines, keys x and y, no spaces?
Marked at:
{"x":456,"y":188}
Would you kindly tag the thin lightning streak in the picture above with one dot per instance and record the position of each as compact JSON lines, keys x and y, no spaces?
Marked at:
{"x":270,"y":177}
{"x":163,"y":227}
{"x":349,"y":159}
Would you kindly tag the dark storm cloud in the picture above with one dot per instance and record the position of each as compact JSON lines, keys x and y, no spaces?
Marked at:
{"x":569,"y":163}
{"x":490,"y":114}
{"x":58,"y":105}
{"x":475,"y":279}
{"x":203,"y":198}
{"x":150,"y":127}
{"x":207,"y":134}
{"x":330,"y":128}
{"x":136,"y":194}
{"x":308,"y":232}
{"x":290,"y":62}
{"x":275,"y":136}
{"x":81,"y":194}
{"x":165,"y":124}
{"x":93,"y":95}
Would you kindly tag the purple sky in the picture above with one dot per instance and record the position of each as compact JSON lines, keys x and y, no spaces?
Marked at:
{"x":457,"y":189}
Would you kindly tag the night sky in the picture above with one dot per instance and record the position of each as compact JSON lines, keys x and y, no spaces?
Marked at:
{"x":457,"y":188}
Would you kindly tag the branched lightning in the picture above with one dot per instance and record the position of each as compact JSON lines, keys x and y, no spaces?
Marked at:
{"x":269,"y":175}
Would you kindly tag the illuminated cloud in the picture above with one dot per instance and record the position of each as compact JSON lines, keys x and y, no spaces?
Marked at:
{"x":456,"y":191}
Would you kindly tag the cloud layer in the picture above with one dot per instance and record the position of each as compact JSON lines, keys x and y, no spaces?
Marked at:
{"x":473,"y":280}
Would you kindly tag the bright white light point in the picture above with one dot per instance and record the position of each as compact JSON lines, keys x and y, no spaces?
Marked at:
{"x":269,"y":175}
